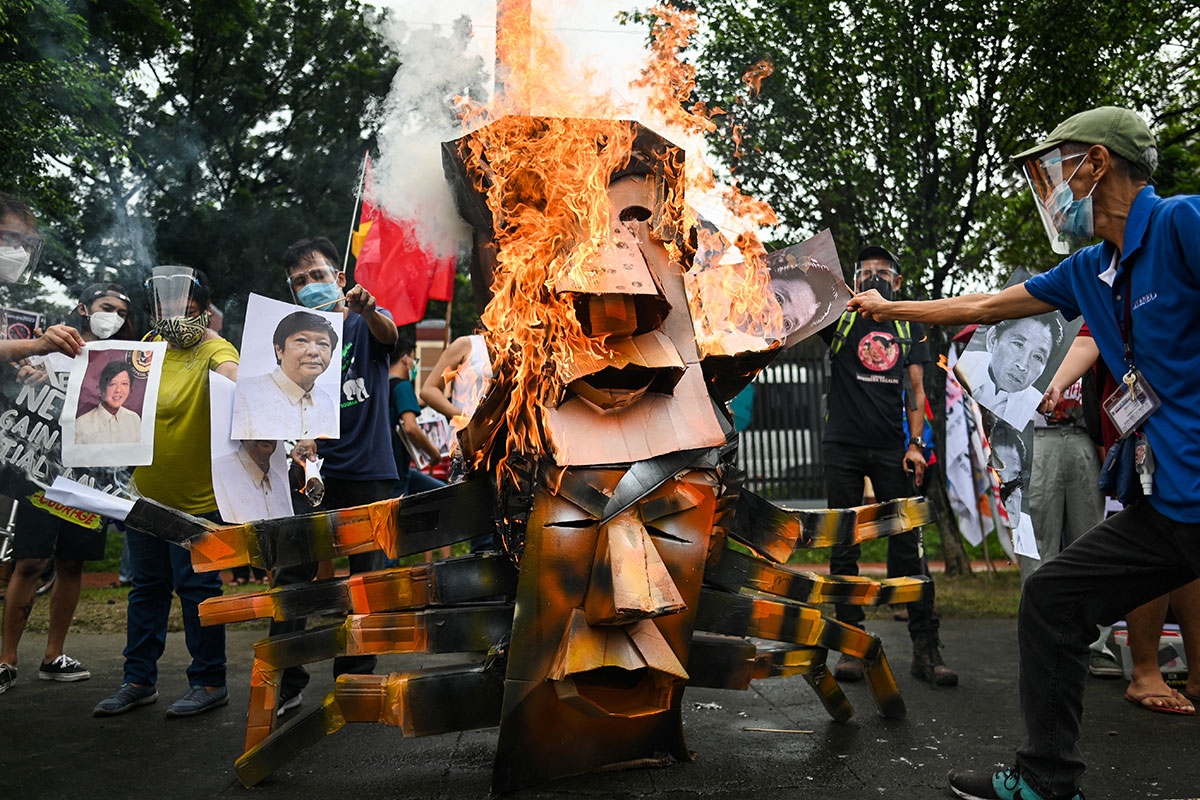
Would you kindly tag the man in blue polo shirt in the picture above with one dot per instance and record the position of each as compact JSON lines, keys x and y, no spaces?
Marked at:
{"x":1139,"y":292}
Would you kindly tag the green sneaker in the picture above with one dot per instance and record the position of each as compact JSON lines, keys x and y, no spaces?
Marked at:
{"x":1004,"y":785}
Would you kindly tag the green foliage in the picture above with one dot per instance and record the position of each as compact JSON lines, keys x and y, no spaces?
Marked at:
{"x":210,"y":133}
{"x":892,"y":122}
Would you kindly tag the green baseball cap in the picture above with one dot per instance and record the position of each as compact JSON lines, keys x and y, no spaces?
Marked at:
{"x":1119,"y":129}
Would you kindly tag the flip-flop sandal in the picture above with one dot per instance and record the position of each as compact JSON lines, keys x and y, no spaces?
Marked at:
{"x":1141,"y":703}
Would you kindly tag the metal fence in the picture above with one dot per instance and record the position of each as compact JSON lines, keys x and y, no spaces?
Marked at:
{"x":781,"y":449}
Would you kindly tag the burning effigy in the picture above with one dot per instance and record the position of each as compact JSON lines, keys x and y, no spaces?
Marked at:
{"x":626,"y":560}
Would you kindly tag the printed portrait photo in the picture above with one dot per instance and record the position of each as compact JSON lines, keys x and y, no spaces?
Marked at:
{"x":108,"y":416}
{"x":289,"y":374}
{"x":250,"y":478}
{"x":1006,"y":367}
{"x":807,"y":281}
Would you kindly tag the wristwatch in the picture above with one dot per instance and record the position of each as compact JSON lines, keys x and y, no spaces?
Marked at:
{"x":919,"y":442}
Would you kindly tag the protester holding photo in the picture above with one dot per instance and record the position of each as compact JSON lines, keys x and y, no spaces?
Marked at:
{"x":180,"y":477}
{"x":42,"y":535}
{"x":359,"y":466}
{"x":1138,"y":290}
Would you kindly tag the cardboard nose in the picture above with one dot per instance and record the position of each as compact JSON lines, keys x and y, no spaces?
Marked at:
{"x":629,"y":580}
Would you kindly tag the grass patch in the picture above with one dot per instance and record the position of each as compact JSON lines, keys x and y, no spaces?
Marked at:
{"x":103,"y":610}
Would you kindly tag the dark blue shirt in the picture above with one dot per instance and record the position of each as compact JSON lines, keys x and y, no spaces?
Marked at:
{"x":364,"y":450}
{"x":1159,"y":266}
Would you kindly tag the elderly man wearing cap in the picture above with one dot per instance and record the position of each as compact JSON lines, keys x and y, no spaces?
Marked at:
{"x":1138,"y":289}
{"x":874,"y":366}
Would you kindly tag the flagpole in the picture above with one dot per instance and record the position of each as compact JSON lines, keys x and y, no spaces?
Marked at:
{"x":362,"y":178}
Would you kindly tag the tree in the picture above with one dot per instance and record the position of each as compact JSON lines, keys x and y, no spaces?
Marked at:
{"x":890,"y":121}
{"x":209,"y":133}
{"x":248,"y":132}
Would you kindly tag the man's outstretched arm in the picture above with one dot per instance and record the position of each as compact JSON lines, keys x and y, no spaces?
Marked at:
{"x":1011,"y":303}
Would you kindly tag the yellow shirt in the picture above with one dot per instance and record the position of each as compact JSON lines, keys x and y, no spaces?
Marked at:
{"x":181,"y":475}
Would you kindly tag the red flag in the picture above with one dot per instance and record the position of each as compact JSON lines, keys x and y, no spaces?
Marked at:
{"x":392,"y":263}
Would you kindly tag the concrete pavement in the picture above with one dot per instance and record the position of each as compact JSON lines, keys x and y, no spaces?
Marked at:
{"x":51,"y":746}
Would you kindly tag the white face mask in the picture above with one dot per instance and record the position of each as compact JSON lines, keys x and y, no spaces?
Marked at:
{"x":105,"y":323}
{"x":13,"y":261}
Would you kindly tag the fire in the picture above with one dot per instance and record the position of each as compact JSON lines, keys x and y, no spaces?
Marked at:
{"x":546,"y":180}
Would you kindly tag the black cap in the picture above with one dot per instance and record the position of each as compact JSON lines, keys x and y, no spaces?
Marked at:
{"x":875,"y":251}
{"x":98,"y":290}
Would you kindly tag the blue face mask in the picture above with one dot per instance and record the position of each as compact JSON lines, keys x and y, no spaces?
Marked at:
{"x":1073,"y":217}
{"x":312,"y":295}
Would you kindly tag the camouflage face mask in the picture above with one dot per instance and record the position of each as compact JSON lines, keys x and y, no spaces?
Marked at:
{"x":183,"y":332}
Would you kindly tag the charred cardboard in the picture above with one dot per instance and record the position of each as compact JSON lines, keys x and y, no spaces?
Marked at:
{"x":656,"y":424}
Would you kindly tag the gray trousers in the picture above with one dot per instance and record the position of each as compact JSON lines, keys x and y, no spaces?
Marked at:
{"x":1064,"y":502}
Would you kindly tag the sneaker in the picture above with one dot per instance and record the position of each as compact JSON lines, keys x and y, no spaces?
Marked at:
{"x":1104,"y":664}
{"x":198,"y":700}
{"x":63,"y":668}
{"x":1004,"y":785}
{"x":286,"y":704}
{"x":8,"y":676}
{"x":927,"y":664}
{"x":848,"y":669}
{"x":127,"y":698}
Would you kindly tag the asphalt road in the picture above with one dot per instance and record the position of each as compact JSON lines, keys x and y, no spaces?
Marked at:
{"x":51,"y":746}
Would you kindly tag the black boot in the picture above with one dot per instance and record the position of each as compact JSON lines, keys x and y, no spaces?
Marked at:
{"x":927,"y":664}
{"x":848,"y":669}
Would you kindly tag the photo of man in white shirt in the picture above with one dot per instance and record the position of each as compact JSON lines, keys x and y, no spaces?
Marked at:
{"x":250,"y":485}
{"x":110,"y":422}
{"x":287,"y":403}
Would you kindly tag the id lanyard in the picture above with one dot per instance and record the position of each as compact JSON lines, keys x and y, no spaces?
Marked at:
{"x":1134,"y":401}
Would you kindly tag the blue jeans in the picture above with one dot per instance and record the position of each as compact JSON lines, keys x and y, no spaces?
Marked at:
{"x":1122,"y":563}
{"x":846,"y":466}
{"x":158,"y":570}
{"x":414,"y":481}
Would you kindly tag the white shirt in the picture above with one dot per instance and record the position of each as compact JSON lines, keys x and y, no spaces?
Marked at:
{"x":98,"y":426}
{"x":1015,"y":408}
{"x":273,"y":407}
{"x":245,"y":493}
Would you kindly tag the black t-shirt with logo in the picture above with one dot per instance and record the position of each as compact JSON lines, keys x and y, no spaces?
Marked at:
{"x":866,"y":382}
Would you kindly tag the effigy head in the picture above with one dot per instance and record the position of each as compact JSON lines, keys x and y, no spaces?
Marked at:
{"x":602,"y":633}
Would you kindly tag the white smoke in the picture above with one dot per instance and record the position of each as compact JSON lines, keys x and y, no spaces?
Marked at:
{"x":438,"y":65}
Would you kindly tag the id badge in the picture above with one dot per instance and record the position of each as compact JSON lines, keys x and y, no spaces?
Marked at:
{"x":1131,"y":404}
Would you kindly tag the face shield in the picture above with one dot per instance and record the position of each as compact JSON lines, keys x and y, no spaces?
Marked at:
{"x":1068,"y":222}
{"x":876,"y":273}
{"x":19,"y":254}
{"x":170,"y":290}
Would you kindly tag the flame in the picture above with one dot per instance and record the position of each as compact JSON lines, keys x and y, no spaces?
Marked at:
{"x":545,"y":180}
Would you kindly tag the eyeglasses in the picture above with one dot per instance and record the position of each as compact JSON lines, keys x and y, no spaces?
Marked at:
{"x":300,"y":278}
{"x":27,"y":242}
{"x":866,"y":271}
